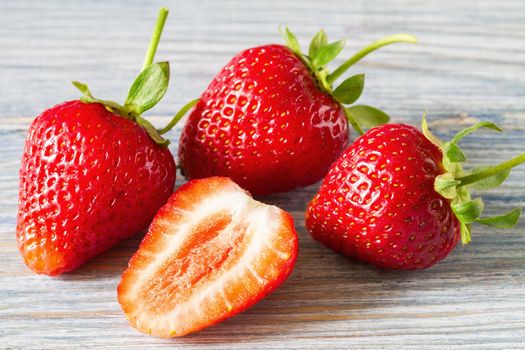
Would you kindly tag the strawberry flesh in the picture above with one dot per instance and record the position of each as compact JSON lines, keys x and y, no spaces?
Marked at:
{"x":211,"y":252}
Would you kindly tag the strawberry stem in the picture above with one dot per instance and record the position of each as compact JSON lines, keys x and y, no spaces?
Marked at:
{"x":155,"y":38}
{"x":483,"y":174}
{"x":391,"y":39}
{"x":178,"y":116}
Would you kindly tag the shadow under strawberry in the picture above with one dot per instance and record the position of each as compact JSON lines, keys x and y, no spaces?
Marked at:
{"x":109,"y":264}
{"x":326,"y":287}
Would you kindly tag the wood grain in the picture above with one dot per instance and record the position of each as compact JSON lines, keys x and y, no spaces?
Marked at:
{"x":470,"y":64}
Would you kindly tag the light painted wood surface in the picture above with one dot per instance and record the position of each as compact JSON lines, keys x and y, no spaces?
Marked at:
{"x":470,"y":64}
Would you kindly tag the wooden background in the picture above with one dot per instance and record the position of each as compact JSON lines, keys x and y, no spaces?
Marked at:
{"x":469,"y":65}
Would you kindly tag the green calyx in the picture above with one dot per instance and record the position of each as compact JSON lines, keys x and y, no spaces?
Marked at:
{"x":455,"y":184}
{"x":321,"y":52}
{"x":148,"y":88}
{"x":146,"y":91}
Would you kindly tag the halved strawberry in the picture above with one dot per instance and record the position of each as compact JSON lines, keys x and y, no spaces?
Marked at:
{"x":211,"y":252}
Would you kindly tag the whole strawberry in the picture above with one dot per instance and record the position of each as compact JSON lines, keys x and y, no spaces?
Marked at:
{"x":399,"y":198}
{"x":89,"y":178}
{"x":270,"y":119}
{"x":93,"y":172}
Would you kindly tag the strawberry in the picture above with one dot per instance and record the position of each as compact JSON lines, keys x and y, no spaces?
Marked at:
{"x":89,"y":178}
{"x":93,"y":172}
{"x":271,"y":120}
{"x":399,"y":198}
{"x":211,"y":252}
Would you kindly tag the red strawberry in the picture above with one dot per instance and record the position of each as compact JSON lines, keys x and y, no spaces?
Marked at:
{"x":399,"y":199}
{"x":270,"y":119}
{"x":89,"y":178}
{"x":210,"y":253}
{"x":93,"y":172}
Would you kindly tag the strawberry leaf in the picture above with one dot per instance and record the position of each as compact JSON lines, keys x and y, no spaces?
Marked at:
{"x":327,"y":53}
{"x":445,"y":185}
{"x":86,"y":94}
{"x":321,"y":75}
{"x":152,"y":132}
{"x":368,"y":116}
{"x":467,"y":212}
{"x":428,"y":134}
{"x":353,"y":121}
{"x":465,"y":233}
{"x":350,"y":89}
{"x":111,"y":106}
{"x":146,"y":91}
{"x":507,"y":220}
{"x":291,"y":41}
{"x":465,"y":132}
{"x":488,"y":182}
{"x":397,"y":38}
{"x":455,"y":183}
{"x":454,"y":153}
{"x":148,"y":88}
{"x":319,"y":40}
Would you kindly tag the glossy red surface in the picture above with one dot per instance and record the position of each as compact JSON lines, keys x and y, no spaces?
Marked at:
{"x":88,"y":179}
{"x":378,"y":203}
{"x":263,"y":122}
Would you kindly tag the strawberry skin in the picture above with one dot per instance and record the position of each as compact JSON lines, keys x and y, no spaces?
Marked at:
{"x":378,"y":203}
{"x":88,"y":179}
{"x":210,"y":253}
{"x":264,"y":123}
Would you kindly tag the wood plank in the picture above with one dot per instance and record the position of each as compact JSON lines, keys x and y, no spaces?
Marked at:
{"x":468,"y":66}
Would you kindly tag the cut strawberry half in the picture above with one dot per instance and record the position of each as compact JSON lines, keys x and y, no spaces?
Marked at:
{"x":211,"y":252}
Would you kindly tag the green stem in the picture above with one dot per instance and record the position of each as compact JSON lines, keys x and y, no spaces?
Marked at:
{"x":483,"y":174}
{"x":473,"y":128}
{"x":178,"y":116}
{"x":155,"y":38}
{"x":391,"y":39}
{"x":353,"y":122}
